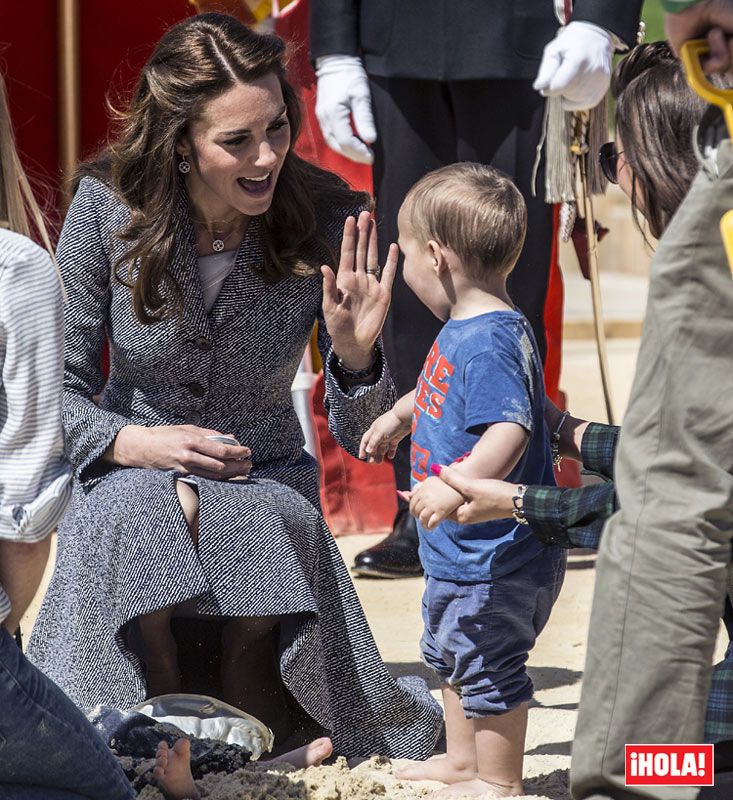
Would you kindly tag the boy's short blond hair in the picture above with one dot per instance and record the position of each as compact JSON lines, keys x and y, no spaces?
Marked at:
{"x":473,"y":209}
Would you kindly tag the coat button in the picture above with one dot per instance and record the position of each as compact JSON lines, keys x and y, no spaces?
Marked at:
{"x":196,"y":389}
{"x":192,"y":417}
{"x":203,"y":344}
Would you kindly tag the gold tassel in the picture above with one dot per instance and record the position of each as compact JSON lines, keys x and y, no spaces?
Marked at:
{"x":560,"y":174}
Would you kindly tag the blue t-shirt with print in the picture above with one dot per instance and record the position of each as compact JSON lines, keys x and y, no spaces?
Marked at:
{"x":479,"y":371}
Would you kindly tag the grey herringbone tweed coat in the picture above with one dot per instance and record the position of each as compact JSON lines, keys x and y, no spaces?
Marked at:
{"x":124,"y":547}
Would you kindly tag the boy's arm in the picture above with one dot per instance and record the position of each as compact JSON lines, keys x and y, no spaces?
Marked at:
{"x":498,"y":404}
{"x":387,"y":431}
{"x":404,"y":406}
{"x":496,"y":453}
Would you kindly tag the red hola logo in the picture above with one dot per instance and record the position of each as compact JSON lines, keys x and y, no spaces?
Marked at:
{"x":669,"y":765}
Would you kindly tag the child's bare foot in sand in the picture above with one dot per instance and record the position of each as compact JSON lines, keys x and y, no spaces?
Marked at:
{"x":476,"y":788}
{"x":437,"y":769}
{"x":172,"y":771}
{"x":310,"y":755}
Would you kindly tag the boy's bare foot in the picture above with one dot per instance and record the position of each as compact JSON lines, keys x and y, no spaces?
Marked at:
{"x":437,"y":769}
{"x":310,"y":755}
{"x":172,"y":771}
{"x":476,"y":788}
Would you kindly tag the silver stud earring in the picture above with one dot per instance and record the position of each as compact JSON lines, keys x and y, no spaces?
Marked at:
{"x":183,"y":165}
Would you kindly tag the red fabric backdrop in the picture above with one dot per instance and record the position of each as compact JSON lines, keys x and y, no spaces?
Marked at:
{"x":115,"y":40}
{"x":28,"y":58}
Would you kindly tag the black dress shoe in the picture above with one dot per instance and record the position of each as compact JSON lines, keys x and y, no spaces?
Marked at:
{"x":393,"y":557}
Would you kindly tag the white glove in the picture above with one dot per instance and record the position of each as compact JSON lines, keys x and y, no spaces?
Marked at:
{"x":343,"y":92}
{"x":576,"y":64}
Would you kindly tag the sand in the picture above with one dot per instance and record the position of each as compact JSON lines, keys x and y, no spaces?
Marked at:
{"x":555,"y":666}
{"x":373,"y":778}
{"x":393,"y":610}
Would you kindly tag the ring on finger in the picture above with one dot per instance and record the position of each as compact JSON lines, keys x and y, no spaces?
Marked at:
{"x":372,"y":271}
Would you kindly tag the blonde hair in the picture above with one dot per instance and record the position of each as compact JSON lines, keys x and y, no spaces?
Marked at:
{"x":19,"y":210}
{"x":473,"y":209}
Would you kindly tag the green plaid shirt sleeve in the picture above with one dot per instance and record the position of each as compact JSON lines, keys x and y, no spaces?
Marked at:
{"x":575,"y":517}
{"x":719,"y":714}
{"x":677,"y":5}
{"x":598,"y":449}
{"x":569,"y":517}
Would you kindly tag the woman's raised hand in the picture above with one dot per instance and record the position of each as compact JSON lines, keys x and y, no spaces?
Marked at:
{"x":184,"y":448}
{"x":356,"y":298}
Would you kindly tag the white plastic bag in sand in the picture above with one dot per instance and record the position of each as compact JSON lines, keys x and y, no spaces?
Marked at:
{"x":208,"y":718}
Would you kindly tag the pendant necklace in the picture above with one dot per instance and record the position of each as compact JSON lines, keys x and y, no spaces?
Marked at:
{"x":218,"y":243}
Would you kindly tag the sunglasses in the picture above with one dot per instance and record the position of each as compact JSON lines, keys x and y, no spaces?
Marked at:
{"x":608,"y":160}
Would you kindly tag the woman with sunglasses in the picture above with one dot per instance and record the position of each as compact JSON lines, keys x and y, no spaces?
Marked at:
{"x":653,"y":162}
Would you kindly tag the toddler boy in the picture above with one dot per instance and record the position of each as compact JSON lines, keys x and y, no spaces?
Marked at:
{"x":480,"y":399}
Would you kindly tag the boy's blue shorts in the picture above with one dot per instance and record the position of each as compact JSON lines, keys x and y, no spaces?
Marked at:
{"x":478,"y":635}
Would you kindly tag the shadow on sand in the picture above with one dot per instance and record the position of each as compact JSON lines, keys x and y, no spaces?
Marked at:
{"x":553,"y":785}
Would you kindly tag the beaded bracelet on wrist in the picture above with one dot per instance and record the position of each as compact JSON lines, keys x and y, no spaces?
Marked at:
{"x":555,"y":441}
{"x":356,"y":374}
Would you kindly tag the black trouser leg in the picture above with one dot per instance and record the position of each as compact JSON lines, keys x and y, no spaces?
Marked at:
{"x":500,"y":123}
{"x":424,"y":125}
{"x":416,"y":135}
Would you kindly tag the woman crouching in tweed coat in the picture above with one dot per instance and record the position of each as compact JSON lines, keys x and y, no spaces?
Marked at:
{"x":194,"y":248}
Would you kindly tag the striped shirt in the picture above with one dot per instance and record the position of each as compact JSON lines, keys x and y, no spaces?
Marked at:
{"x":34,"y":474}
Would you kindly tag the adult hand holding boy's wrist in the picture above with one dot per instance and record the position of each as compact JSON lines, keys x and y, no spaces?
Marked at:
{"x":485,"y":499}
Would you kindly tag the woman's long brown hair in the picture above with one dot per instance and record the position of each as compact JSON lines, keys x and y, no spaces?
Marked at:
{"x":656,"y":114}
{"x":196,"y":61}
